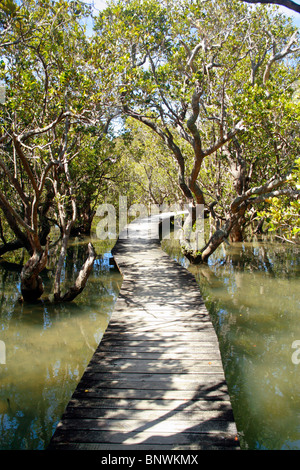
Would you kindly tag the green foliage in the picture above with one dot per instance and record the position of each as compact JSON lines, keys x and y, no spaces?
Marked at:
{"x":282,"y":215}
{"x":152,"y":58}
{"x":9,"y":9}
{"x":241,"y":62}
{"x":48,"y":74}
{"x":148,"y":174}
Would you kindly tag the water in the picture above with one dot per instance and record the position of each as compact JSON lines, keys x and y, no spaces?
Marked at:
{"x":47,"y":348}
{"x":252,"y":293}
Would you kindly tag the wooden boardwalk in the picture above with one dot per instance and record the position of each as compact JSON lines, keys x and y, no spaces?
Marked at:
{"x":156,"y":381}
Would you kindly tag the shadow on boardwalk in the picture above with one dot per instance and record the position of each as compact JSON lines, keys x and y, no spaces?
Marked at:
{"x":156,"y":380}
{"x":143,"y":392}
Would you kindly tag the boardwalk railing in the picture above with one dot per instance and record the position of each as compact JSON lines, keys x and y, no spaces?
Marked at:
{"x":156,"y":381}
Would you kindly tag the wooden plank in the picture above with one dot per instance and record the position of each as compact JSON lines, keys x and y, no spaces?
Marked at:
{"x":156,"y":380}
{"x":153,"y":340}
{"x":116,"y":449}
{"x":164,"y":345}
{"x":132,"y":353}
{"x":158,"y":425}
{"x":156,"y":367}
{"x":133,"y":404}
{"x":205,"y":392}
{"x":93,"y":383}
{"x":218,"y":440}
{"x":197,"y":336}
{"x":149,"y":415}
{"x":137,"y":378}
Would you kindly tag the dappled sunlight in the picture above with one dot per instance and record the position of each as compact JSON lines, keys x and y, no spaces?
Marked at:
{"x":156,"y":378}
{"x":166,"y":420}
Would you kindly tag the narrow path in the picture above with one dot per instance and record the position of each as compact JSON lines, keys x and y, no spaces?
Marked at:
{"x":156,"y":381}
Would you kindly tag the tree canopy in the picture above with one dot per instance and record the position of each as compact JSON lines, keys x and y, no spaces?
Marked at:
{"x":208,"y":95}
{"x":216,"y":78}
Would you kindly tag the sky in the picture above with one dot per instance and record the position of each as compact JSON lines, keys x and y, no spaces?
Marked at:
{"x":293,"y":14}
{"x":98,"y":4}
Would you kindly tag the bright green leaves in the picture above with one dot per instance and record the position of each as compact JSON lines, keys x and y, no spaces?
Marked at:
{"x":253,"y":105}
{"x":151,"y":173}
{"x":126,"y":33}
{"x":48,"y":62}
{"x":282,"y":214}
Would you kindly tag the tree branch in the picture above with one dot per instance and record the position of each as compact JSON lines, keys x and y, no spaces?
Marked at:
{"x":224,"y":139}
{"x":6,"y":207}
{"x":25,"y":163}
{"x":82,"y":277}
{"x":291,"y":193}
{"x":280,"y":55}
{"x":42,"y":130}
{"x":285,"y":3}
{"x":14,"y":182}
{"x":261,"y":191}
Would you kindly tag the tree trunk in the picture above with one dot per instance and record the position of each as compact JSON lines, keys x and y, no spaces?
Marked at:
{"x":214,"y":242}
{"x":219,"y":236}
{"x":81,"y":279}
{"x":259,"y":228}
{"x":83,"y":227}
{"x":237,"y":230}
{"x":31,"y":283}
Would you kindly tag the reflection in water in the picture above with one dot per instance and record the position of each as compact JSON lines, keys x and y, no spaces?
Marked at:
{"x":47,"y":349}
{"x":253,"y":299}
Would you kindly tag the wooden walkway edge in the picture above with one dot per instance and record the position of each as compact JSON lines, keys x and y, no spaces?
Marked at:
{"x":156,"y":380}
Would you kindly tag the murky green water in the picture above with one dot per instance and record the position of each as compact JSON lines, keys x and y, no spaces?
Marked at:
{"x":254,"y":301}
{"x":47,"y":348}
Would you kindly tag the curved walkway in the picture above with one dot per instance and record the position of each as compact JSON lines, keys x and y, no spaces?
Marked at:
{"x":156,"y":380}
